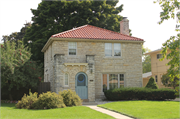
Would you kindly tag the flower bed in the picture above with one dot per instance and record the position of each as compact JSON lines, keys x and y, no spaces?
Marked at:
{"x":8,"y":101}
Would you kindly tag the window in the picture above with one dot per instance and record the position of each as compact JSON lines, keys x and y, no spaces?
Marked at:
{"x":156,"y":78}
{"x":117,"y":49}
{"x":111,"y":81}
{"x":112,"y":49}
{"x":66,"y":80}
{"x":108,"y":49}
{"x":159,"y":56}
{"x":72,"y":48}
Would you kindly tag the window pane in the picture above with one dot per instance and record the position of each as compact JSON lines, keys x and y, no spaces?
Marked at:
{"x":104,"y":82}
{"x":72,"y":48}
{"x":113,"y":81}
{"x":121,"y":80}
{"x":72,"y":45}
{"x":72,"y":51}
{"x":108,"y":52}
{"x":117,"y":49}
{"x":66,"y":79}
{"x":159,"y":56}
{"x":81,"y":81}
{"x":156,"y":78}
{"x":108,"y":49}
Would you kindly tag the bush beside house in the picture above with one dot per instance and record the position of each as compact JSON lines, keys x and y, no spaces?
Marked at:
{"x":70,"y":98}
{"x":49,"y":100}
{"x":152,"y":84}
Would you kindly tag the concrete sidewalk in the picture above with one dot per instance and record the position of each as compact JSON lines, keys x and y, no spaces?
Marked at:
{"x":111,"y":113}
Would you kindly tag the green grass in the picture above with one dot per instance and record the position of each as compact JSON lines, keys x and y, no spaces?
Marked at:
{"x":9,"y":111}
{"x":146,"y":109}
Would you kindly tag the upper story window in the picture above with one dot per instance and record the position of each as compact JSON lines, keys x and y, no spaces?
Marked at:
{"x":117,"y":49}
{"x":159,"y":56}
{"x":112,"y":49}
{"x":72,"y":48}
{"x":108,"y":49}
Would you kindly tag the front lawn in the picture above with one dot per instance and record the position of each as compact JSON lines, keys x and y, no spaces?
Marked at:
{"x":79,"y":112}
{"x":146,"y":109}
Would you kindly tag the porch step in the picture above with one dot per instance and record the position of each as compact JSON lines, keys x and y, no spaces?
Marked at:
{"x":85,"y":100}
{"x":89,"y":103}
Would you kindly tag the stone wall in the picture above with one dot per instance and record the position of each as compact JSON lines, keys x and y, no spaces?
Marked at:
{"x":130,"y":64}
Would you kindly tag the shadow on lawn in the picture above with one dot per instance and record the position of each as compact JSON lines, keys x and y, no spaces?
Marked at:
{"x":12,"y":106}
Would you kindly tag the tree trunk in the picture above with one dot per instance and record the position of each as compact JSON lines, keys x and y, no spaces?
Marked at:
{"x":10,"y":97}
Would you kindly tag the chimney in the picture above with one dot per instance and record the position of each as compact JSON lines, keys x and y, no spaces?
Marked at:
{"x":124,"y":26}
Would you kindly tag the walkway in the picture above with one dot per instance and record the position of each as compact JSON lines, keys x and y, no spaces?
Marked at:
{"x":111,"y":113}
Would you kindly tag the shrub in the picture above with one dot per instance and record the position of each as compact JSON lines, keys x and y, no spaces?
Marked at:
{"x":49,"y":100}
{"x":139,"y":94}
{"x":27,"y":101}
{"x":152,"y":84}
{"x":70,"y":98}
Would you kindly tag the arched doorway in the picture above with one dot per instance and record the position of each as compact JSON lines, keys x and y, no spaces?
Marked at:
{"x":81,"y":86}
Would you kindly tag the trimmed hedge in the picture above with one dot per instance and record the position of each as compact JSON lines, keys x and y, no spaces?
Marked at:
{"x":152,"y":84}
{"x":139,"y":94}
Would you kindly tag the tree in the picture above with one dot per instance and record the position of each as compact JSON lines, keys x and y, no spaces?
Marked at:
{"x":151,"y":84}
{"x":17,"y":70}
{"x":146,"y":62}
{"x":169,"y":83}
{"x":13,"y":55}
{"x":169,"y":8}
{"x":53,"y":17}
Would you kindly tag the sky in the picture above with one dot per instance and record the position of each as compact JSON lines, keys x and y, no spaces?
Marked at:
{"x":143,"y":16}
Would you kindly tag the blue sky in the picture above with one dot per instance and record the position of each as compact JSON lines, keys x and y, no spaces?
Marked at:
{"x":143,"y":18}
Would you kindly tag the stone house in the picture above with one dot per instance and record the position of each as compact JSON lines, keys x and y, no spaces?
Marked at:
{"x":90,"y":59}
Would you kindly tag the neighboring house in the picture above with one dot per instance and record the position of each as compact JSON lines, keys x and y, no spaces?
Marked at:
{"x":158,"y":68}
{"x":90,"y":59}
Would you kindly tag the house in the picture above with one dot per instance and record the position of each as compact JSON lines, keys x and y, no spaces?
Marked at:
{"x":158,"y":68}
{"x":90,"y":59}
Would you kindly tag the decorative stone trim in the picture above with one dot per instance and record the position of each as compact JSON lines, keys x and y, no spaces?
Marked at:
{"x":77,"y":64}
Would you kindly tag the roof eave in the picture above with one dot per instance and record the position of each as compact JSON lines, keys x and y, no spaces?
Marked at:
{"x":153,"y":52}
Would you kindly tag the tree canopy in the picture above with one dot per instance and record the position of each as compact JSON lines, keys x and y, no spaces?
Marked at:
{"x":17,"y":70}
{"x":53,"y":17}
{"x":171,"y":10}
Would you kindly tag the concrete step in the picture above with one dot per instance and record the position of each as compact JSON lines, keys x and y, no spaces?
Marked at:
{"x":89,"y":103}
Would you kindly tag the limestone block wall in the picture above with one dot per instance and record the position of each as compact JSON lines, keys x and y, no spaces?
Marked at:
{"x":130,"y":63}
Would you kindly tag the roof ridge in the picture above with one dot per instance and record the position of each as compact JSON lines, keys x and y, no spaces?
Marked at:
{"x":115,"y":32}
{"x":69,"y":30}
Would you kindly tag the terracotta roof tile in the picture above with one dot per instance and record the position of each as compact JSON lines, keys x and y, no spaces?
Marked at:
{"x":93,"y":32}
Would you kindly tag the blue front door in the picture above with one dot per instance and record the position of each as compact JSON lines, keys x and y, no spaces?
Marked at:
{"x":81,"y":85}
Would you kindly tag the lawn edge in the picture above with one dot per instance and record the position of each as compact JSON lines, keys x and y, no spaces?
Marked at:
{"x":118,"y":112}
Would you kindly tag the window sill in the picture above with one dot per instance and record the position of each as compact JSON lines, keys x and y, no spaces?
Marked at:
{"x":111,"y":57}
{"x":66,"y":86}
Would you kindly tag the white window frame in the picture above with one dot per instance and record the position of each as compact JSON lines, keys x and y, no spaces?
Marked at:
{"x":108,"y":80}
{"x":112,"y":49}
{"x":68,"y":48}
{"x":65,"y":79}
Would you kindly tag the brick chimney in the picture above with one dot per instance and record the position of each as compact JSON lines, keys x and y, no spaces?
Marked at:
{"x":124,"y":26}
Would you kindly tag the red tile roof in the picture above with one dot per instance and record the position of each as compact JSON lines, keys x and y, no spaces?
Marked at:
{"x":93,"y":32}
